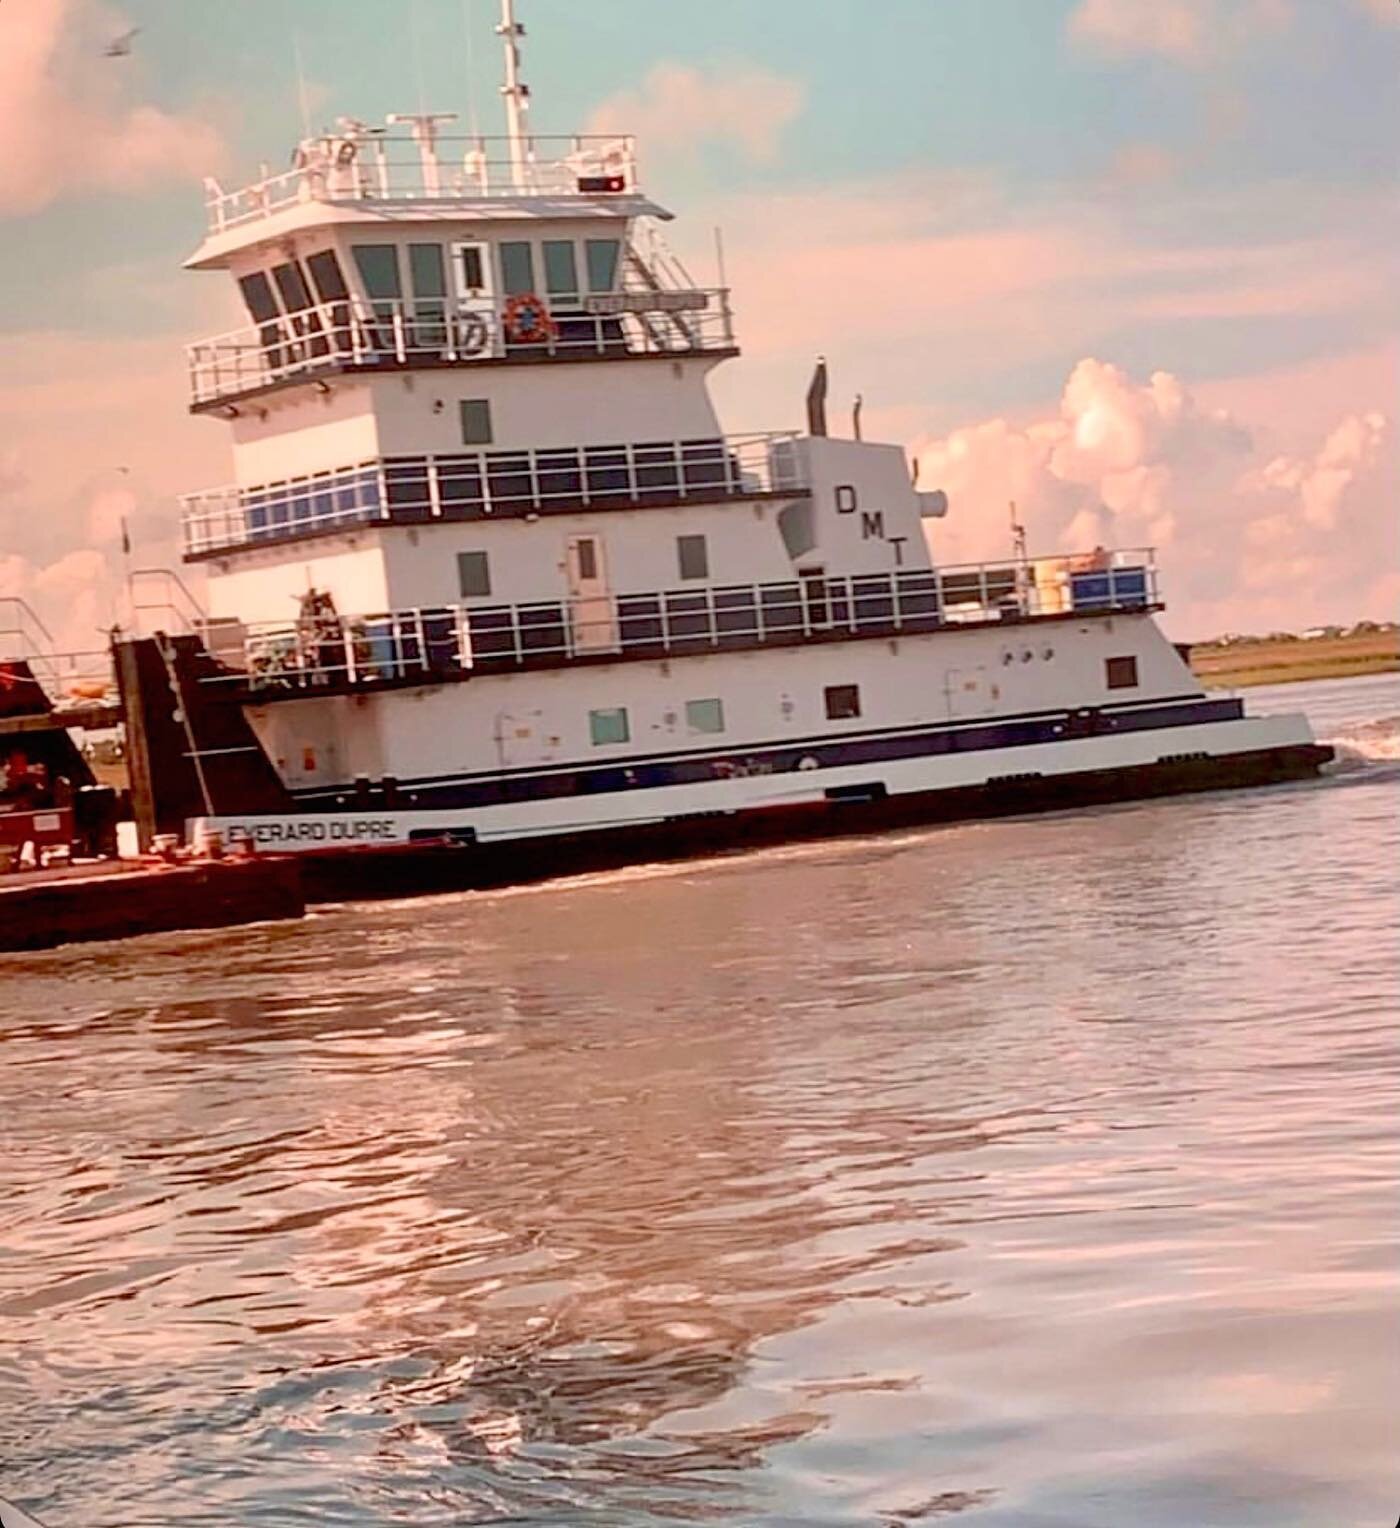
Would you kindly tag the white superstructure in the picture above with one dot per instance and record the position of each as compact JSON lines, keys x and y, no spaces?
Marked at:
{"x":490,"y":568}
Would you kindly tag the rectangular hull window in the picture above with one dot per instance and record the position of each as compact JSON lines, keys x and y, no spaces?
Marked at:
{"x":704,"y":716}
{"x":693,"y":556}
{"x":476,"y":421}
{"x":473,"y":574}
{"x":609,"y":726}
{"x":1121,"y":673}
{"x":842,"y":702}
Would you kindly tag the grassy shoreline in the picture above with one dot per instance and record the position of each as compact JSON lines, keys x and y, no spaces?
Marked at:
{"x":1238,"y":665}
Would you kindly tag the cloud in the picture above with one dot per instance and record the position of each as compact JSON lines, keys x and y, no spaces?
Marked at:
{"x":1188,"y":31}
{"x":67,"y":118}
{"x":679,"y":109}
{"x":1245,"y":543}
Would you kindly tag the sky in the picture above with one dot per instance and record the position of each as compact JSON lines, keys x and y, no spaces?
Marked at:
{"x":1128,"y":264}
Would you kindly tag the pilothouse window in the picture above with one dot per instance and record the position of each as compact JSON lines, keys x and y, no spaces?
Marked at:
{"x":327,"y":276}
{"x":517,"y":267}
{"x":600,"y":255}
{"x":378,"y":265}
{"x":257,"y":294}
{"x":291,"y":285}
{"x":560,"y":268}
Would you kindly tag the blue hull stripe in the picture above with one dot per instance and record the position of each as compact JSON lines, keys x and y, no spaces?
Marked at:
{"x":539,"y":783}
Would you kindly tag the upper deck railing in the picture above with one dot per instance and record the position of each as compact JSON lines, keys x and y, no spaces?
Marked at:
{"x":369,"y":165}
{"x":481,"y":485}
{"x":359,"y":334}
{"x":446,"y":643}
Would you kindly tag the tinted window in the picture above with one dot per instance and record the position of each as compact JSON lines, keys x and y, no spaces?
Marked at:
{"x":842,"y":701}
{"x":471,"y":270}
{"x":426,"y":270}
{"x":1121,"y":673}
{"x":291,"y":284}
{"x":476,"y":421}
{"x":693,"y":556}
{"x":326,"y":274}
{"x":517,"y":268}
{"x":378,"y":265}
{"x":601,"y":258}
{"x":587,"y":559}
{"x":704,"y":715}
{"x":560,"y":267}
{"x":608,"y":726}
{"x":257,"y":293}
{"x":473,"y":574}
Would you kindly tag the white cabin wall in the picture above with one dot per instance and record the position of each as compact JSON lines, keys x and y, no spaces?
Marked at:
{"x":302,"y":430}
{"x":639,"y":553}
{"x":867,"y":514}
{"x":265,"y":584}
{"x":769,"y":696}
{"x":555,"y":403}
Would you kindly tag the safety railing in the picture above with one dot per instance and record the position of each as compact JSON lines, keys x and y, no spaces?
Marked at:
{"x":356,"y":333}
{"x":387,"y":164}
{"x":481,"y":485}
{"x":451,"y":642}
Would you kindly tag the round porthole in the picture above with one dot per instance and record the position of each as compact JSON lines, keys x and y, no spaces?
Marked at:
{"x":1026,"y":655}
{"x":1047,"y":653}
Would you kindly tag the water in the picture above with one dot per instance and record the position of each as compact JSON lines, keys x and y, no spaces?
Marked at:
{"x":1031,"y":1173}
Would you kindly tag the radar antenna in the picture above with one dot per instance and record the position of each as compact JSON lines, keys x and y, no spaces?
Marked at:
{"x":516,"y":92}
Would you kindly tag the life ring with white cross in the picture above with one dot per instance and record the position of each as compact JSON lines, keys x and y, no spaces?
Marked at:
{"x":527,"y":320}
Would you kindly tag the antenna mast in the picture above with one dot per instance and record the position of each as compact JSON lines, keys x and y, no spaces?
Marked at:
{"x":516,"y":92}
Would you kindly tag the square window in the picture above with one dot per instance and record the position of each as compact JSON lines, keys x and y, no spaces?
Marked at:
{"x":842,"y":702}
{"x":473,"y":574}
{"x":693,"y":556}
{"x":476,"y":421}
{"x":704,"y":716}
{"x":609,"y":726}
{"x":378,"y":265}
{"x":1121,"y":673}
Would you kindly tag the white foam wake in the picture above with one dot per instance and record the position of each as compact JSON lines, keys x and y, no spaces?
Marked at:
{"x":1375,"y":741}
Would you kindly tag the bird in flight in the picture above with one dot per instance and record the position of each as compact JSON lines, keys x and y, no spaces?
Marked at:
{"x":120,"y":47}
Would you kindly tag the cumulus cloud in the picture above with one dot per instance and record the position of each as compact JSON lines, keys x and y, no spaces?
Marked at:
{"x":1124,"y":463}
{"x":1189,"y":31}
{"x":67,"y":116}
{"x":679,"y":109}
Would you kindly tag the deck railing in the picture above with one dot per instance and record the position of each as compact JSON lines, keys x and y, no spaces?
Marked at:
{"x":364,"y":164}
{"x":357,"y":333}
{"x":450,"y":642}
{"x":480,"y":485}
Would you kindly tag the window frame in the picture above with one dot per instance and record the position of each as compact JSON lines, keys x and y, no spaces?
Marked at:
{"x":512,"y":245}
{"x":837,"y":697}
{"x":596,"y":723}
{"x":466,"y":408}
{"x":614,"y":260}
{"x":693,"y":727}
{"x":1121,"y":672}
{"x":363,"y":271}
{"x":551,"y":248}
{"x":688,"y":544}
{"x":479,"y":562}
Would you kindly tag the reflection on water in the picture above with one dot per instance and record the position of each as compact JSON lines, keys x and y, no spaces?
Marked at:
{"x":1033,"y":1173}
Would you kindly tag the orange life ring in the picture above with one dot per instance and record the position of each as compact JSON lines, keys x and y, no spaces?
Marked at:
{"x":527,"y":319}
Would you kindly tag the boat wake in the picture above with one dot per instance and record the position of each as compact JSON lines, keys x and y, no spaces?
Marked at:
{"x":1367,"y":744}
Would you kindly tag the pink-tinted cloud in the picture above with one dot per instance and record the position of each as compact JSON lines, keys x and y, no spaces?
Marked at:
{"x":1247,"y":541}
{"x":680,"y":109}
{"x":68,"y":116}
{"x":1188,"y":31}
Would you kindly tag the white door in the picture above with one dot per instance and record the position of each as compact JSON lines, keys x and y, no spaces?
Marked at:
{"x":591,"y":610}
{"x":474,"y":294}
